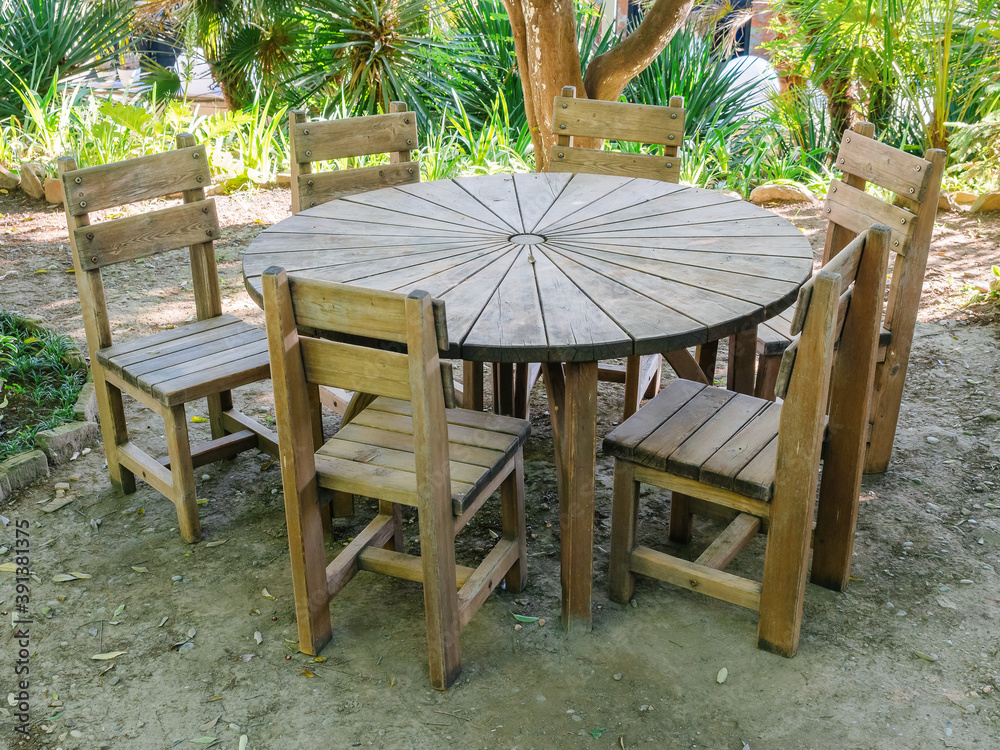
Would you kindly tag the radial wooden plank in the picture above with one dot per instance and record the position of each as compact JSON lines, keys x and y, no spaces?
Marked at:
{"x":643,"y":318}
{"x":786,"y":246}
{"x":497,"y":196}
{"x":415,"y":205}
{"x":448,"y":193}
{"x":671,"y":204}
{"x":717,"y":314}
{"x":510,"y":328}
{"x":465,"y":302}
{"x":764,"y":226}
{"x":406,"y":272}
{"x":540,"y":191}
{"x":770,"y":267}
{"x":732,"y":283}
{"x":583,"y":199}
{"x":569,"y":315}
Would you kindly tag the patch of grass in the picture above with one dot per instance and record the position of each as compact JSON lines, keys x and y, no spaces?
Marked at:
{"x":41,"y":374}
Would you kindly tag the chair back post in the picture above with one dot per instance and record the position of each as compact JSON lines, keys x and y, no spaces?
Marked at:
{"x":434,"y":508}
{"x":561,"y":138}
{"x":905,"y":289}
{"x":850,"y":405}
{"x":296,"y":168}
{"x":204,"y":269}
{"x":298,"y":462}
{"x":89,"y":282}
{"x":399,"y":157}
{"x":676,"y":102}
{"x":838,"y":236}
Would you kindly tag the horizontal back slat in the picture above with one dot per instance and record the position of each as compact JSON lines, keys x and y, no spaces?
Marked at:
{"x":138,"y":179}
{"x":355,"y":136}
{"x":592,"y":161}
{"x":844,"y":264}
{"x":356,"y":368}
{"x":329,"y":306}
{"x":902,"y":173}
{"x":590,"y":118}
{"x":856,"y":210}
{"x":320,"y":187}
{"x":146,"y":234}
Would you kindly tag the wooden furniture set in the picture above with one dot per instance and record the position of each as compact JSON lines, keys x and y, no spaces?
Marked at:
{"x":590,"y":262}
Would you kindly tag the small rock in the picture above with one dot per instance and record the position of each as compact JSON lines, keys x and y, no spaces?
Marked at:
{"x":781,"y":194}
{"x":8,"y":180}
{"x":31,"y":180}
{"x":205,"y":477}
{"x":634,"y":603}
{"x":283,"y":179}
{"x":185,"y":647}
{"x":945,"y":203}
{"x":62,"y":485}
{"x":175,"y":578}
{"x":963,"y":198}
{"x":618,"y":677}
{"x":932,"y":440}
{"x":989,"y":415}
{"x":53,"y":191}
{"x":986,"y":202}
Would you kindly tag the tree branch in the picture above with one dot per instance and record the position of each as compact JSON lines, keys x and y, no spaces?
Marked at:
{"x":609,"y":74}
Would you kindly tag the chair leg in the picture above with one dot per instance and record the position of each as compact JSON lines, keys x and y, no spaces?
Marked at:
{"x":182,"y":473}
{"x":503,"y":388}
{"x":396,"y":542}
{"x":217,"y":404}
{"x":786,"y":564}
{"x":522,"y":389}
{"x":681,"y":518}
{"x":472,"y":385}
{"x":633,"y":373}
{"x":624,"y":526}
{"x":742,"y":358}
{"x":512,"y":511}
{"x":767,"y":376}
{"x":887,"y":396}
{"x":437,"y":557}
{"x":707,"y":354}
{"x":114,"y":431}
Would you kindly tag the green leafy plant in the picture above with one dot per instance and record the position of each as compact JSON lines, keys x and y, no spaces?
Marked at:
{"x":41,"y":374}
{"x":42,"y":41}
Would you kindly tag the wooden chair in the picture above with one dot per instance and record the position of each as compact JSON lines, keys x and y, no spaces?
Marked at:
{"x":205,"y":359}
{"x":916,"y":183}
{"x":394,"y":133}
{"x":760,"y":459}
{"x":405,"y":448}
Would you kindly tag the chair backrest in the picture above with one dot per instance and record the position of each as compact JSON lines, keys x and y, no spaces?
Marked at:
{"x":916,"y":182}
{"x":838,"y":308}
{"x":391,"y":350}
{"x":193,"y":224}
{"x":639,"y":123}
{"x":394,"y":133}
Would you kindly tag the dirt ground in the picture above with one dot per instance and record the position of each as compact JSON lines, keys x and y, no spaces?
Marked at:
{"x":925,"y":577}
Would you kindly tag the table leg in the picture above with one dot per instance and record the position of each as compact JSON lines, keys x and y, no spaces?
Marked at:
{"x":503,"y":388}
{"x":742,"y":358}
{"x":575,"y":441}
{"x":472,"y":385}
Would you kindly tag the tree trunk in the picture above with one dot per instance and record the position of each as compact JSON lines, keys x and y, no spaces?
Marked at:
{"x":840,"y":103}
{"x":548,"y":59}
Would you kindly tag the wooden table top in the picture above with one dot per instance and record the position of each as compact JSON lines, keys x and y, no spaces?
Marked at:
{"x":553,"y":267}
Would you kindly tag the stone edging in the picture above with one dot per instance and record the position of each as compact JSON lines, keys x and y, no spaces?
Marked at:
{"x":55,"y":446}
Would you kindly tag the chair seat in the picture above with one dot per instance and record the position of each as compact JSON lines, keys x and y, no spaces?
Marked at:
{"x":373,"y":455}
{"x":192,"y":361}
{"x":774,"y":336}
{"x":720,"y":438}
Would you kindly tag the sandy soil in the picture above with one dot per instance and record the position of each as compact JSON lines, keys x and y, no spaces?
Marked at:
{"x":924,"y":579}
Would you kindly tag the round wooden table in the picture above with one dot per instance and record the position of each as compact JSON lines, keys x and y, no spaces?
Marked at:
{"x":556,"y":268}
